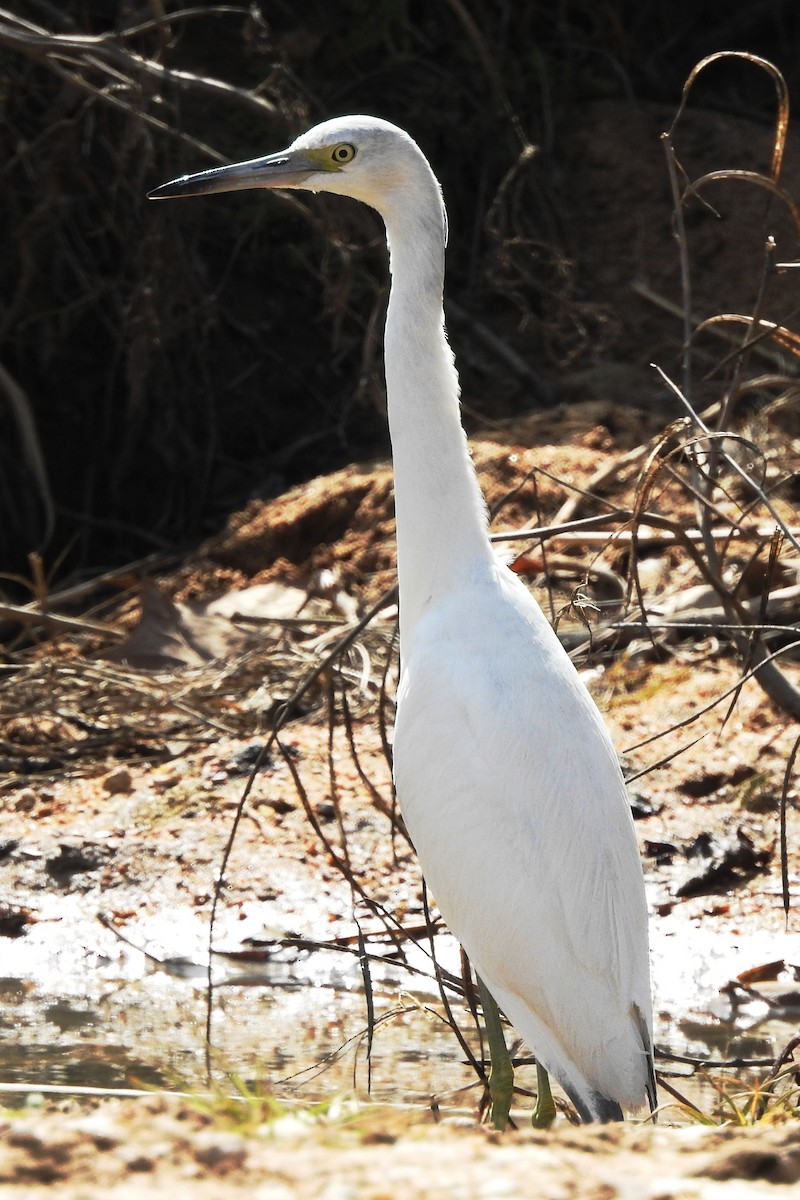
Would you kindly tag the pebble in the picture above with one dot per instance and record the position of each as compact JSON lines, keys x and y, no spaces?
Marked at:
{"x":102,"y":1129}
{"x":220,"y":1152}
{"x":118,"y":781}
{"x":140,"y":1163}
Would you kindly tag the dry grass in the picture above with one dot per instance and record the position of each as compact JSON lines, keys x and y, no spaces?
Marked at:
{"x":730,"y":463}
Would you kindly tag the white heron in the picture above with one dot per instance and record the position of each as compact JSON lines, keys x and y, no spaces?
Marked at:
{"x":507,"y":777}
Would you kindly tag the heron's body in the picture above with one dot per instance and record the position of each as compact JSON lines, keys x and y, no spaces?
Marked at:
{"x":507,"y":778}
{"x":546,"y":896}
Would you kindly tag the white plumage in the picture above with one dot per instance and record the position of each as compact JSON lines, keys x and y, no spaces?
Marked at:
{"x":507,"y":778}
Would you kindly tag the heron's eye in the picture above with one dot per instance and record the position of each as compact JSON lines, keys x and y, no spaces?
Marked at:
{"x":344,"y":153}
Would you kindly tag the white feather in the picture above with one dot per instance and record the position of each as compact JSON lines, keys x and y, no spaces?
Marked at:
{"x":506,"y":775}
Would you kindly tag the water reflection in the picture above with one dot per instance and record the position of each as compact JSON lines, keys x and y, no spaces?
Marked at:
{"x":79,"y":1007}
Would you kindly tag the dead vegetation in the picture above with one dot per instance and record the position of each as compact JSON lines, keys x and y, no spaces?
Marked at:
{"x":646,"y":538}
{"x":139,"y":340}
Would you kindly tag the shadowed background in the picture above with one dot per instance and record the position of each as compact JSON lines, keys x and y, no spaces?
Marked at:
{"x":160,"y":365}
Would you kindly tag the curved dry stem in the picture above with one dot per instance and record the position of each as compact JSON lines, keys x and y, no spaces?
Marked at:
{"x":753,"y":177}
{"x":787,"y":339}
{"x":781,"y":97}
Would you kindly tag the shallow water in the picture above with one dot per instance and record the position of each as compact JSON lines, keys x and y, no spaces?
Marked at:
{"x":82,"y":1008}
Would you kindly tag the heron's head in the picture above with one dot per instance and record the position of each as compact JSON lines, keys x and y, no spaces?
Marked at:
{"x":363,"y":157}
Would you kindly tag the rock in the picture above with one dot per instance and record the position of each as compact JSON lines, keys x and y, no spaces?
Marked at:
{"x":220,"y":1152}
{"x":117,"y":782}
{"x":71,"y":860}
{"x":754,"y":1163}
{"x":245,"y":759}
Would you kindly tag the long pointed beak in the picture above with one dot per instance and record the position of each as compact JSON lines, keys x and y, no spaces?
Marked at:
{"x":287,"y":169}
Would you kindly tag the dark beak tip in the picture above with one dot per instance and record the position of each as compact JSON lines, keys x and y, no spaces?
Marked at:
{"x":165,"y":191}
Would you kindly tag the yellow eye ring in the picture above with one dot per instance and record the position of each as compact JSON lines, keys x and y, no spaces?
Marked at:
{"x":343,"y":153}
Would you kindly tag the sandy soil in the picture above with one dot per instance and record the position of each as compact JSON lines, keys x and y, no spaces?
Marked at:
{"x":122,"y":763}
{"x":154,"y":1147}
{"x":132,"y":778}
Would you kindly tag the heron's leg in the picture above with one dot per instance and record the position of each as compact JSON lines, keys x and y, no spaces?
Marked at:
{"x":545,"y":1112}
{"x":501,"y":1075}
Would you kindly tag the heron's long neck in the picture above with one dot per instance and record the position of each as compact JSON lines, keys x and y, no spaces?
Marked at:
{"x":441,"y":516}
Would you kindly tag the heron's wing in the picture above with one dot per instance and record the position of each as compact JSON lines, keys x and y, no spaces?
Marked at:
{"x":513,"y":796}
